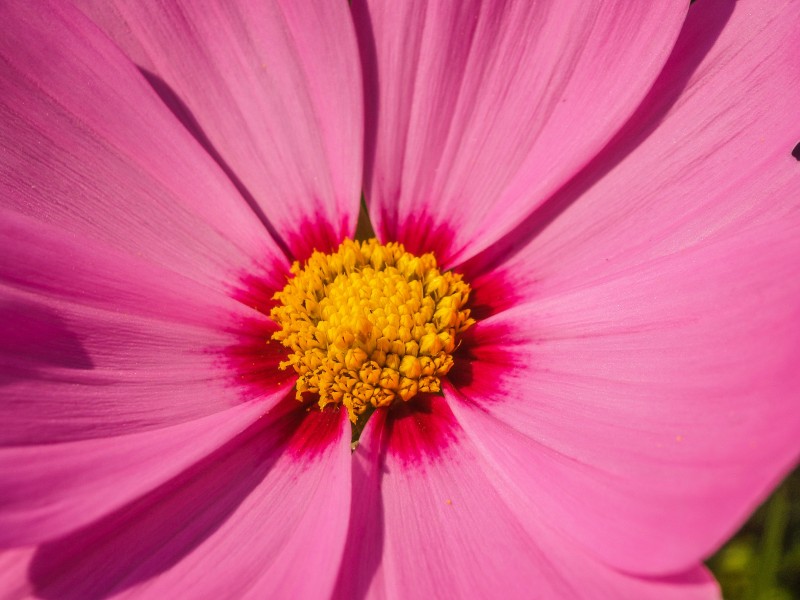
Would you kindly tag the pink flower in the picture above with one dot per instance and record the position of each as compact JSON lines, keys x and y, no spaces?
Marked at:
{"x":615,"y":181}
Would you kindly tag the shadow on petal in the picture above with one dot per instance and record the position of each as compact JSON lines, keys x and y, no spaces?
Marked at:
{"x":34,"y":337}
{"x":363,"y":550}
{"x":155,"y":532}
{"x":185,"y":116}
{"x":666,"y":91}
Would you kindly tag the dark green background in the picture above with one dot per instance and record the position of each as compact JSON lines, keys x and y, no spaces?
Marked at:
{"x":762,"y":561}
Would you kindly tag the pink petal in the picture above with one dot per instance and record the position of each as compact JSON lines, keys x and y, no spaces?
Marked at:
{"x":434,"y":520}
{"x":13,"y":572}
{"x":707,"y":155}
{"x":123,"y":245}
{"x":651,"y":349}
{"x":659,"y":406}
{"x":272,"y":90}
{"x":97,"y":343}
{"x":265,"y":516}
{"x":476,"y":112}
{"x":90,"y":148}
{"x":53,"y":489}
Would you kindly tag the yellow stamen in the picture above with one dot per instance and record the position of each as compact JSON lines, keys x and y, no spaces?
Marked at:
{"x":370,"y":324}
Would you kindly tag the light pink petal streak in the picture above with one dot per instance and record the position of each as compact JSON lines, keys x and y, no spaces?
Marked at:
{"x":651,"y":347}
{"x":265,"y":516}
{"x":272,"y":90}
{"x":90,"y":148}
{"x":433,"y":520}
{"x":53,"y":489}
{"x":477,"y":111}
{"x":13,"y":572}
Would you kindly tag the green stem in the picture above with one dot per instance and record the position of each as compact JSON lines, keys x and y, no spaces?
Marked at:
{"x":771,"y":546}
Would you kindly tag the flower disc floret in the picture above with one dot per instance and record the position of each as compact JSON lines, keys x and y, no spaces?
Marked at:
{"x":370,"y":324}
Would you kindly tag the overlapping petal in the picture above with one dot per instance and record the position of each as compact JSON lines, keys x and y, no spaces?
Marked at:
{"x":53,"y":489}
{"x":100,"y":382}
{"x":13,"y":571}
{"x":272,"y":90}
{"x":477,"y":111}
{"x":123,"y":249}
{"x":89,"y":147}
{"x":647,"y":358}
{"x":707,"y":154}
{"x":435,"y":520}
{"x":665,"y":398}
{"x":123,"y":244}
{"x":97,"y":342}
{"x":248,"y":521}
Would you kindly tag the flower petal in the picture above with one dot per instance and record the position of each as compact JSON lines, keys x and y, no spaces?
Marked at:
{"x":13,"y":572}
{"x":708,"y":154}
{"x":479,"y":110}
{"x":89,"y":147}
{"x":249,"y":521}
{"x":652,"y":337}
{"x":273,"y":92}
{"x":95,"y":342}
{"x":664,"y":398}
{"x":433,"y":521}
{"x":123,"y":244}
{"x":52,"y":489}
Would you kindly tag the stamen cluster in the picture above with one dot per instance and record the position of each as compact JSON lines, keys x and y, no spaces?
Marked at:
{"x":370,"y":323}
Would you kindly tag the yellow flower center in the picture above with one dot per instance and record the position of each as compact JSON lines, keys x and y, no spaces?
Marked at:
{"x":369,"y":324}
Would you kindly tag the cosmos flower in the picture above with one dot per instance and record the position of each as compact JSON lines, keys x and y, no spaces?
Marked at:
{"x":607,"y":189}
